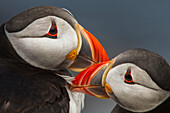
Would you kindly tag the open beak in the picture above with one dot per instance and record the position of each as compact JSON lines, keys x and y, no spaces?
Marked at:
{"x":89,"y":51}
{"x":92,"y":80}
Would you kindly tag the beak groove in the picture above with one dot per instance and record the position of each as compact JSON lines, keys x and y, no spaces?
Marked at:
{"x":92,"y":80}
{"x":89,"y":51}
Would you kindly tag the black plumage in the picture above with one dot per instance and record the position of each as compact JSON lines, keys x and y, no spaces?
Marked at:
{"x":148,"y":61}
{"x":28,"y":89}
{"x":15,"y":24}
{"x":155,"y":66}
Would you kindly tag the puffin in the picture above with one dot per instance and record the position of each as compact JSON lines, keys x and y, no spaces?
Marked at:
{"x":138,"y":80}
{"x":37,"y":47}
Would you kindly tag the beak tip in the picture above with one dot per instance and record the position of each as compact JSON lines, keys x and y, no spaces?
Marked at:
{"x":91,"y":54}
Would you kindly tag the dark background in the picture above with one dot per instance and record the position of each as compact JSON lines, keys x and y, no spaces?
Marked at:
{"x":118,"y":24}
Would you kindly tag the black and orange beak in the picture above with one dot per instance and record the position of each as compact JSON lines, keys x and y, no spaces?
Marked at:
{"x":92,"y":80}
{"x":89,"y":51}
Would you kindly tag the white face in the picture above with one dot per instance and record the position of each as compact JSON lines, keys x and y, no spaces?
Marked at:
{"x":35,"y":48}
{"x":141,"y":95}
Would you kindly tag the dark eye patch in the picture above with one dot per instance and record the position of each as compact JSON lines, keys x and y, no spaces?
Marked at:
{"x":53,"y":31}
{"x":128,"y":77}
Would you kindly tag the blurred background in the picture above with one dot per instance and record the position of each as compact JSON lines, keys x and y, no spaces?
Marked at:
{"x":118,"y":24}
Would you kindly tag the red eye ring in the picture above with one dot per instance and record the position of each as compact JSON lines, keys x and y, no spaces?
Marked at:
{"x":53,"y":31}
{"x":128,"y":77}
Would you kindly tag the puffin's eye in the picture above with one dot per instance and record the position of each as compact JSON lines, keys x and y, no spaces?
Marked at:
{"x":128,"y":77}
{"x":53,"y":31}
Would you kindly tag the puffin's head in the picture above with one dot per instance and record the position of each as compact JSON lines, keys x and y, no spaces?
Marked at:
{"x":138,"y":80}
{"x":50,"y":38}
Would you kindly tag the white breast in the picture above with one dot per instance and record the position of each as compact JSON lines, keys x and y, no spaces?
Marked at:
{"x":76,"y":103}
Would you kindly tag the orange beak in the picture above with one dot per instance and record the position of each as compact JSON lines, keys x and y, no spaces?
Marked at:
{"x":92,"y":80}
{"x":89,"y":51}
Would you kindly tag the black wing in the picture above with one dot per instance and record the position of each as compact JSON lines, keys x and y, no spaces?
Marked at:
{"x":26,"y":89}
